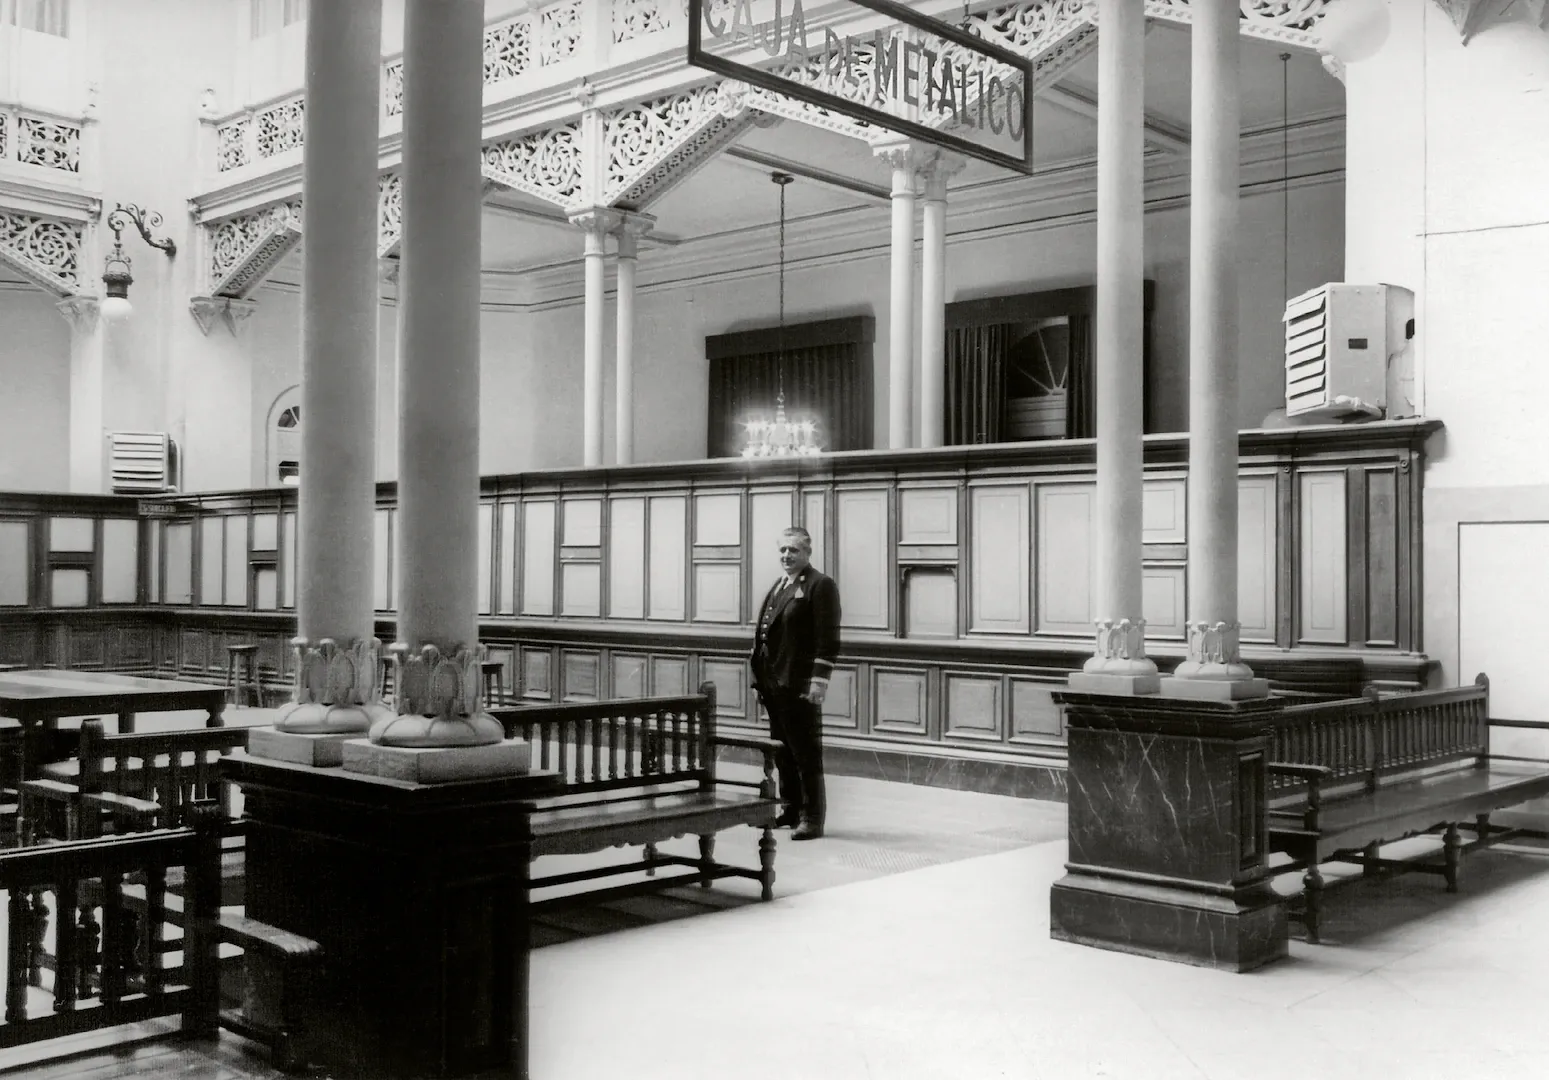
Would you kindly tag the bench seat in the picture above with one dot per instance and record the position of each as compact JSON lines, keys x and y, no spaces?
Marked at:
{"x":592,"y":825}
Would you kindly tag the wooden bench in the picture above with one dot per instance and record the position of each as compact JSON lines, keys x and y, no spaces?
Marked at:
{"x":641,"y":772}
{"x":132,"y":782}
{"x":1346,"y":777}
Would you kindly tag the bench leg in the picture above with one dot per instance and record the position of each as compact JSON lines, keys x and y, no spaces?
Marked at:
{"x":650,"y":856}
{"x":706,"y":857}
{"x":766,"y":856}
{"x":1369,"y":867}
{"x":1312,"y":882}
{"x":1452,"y":851}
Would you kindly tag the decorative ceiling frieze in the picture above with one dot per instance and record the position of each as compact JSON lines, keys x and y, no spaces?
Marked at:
{"x":544,"y":164}
{"x":244,"y":249}
{"x":652,"y":146}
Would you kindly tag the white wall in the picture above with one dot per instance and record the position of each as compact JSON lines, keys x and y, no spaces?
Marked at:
{"x":35,"y":400}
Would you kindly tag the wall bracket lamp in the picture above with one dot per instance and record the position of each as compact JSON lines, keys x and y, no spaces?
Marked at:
{"x":116,"y":276}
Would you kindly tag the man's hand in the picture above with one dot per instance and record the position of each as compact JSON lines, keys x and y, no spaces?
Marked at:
{"x":817,"y":690}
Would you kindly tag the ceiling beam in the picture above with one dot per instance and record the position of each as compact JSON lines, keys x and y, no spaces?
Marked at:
{"x":1159,"y":133}
{"x":766,"y":163}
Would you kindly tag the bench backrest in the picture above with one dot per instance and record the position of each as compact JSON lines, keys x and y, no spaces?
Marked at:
{"x":630,"y":742}
{"x":1368,"y":738}
{"x":173,"y":768}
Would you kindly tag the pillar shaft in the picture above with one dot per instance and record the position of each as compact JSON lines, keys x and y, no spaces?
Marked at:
{"x":1119,"y":333}
{"x":596,"y":313}
{"x":624,"y":379}
{"x":901,"y":307}
{"x":339,"y":297}
{"x":933,"y":312}
{"x":1213,"y":629}
{"x":438,"y":360}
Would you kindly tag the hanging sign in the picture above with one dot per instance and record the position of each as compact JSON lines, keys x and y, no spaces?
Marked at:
{"x":878,"y":62}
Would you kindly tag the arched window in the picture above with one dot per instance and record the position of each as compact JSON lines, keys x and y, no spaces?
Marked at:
{"x":284,"y":438}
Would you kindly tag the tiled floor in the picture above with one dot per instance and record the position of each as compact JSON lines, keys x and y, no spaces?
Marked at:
{"x":914,"y":943}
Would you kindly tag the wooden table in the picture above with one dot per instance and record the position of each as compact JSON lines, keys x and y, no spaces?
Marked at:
{"x":39,"y":698}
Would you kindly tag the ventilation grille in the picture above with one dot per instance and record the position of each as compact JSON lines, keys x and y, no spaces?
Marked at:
{"x":140,"y":461}
{"x":1306,"y":351}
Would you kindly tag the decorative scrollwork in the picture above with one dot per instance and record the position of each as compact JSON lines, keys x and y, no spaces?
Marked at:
{"x":640,"y":137}
{"x":281,"y":127}
{"x":546,"y":164}
{"x":1028,"y":28}
{"x":392,"y":85}
{"x":48,"y":144}
{"x":637,"y":18}
{"x":1294,"y":22}
{"x":507,"y":50}
{"x":561,"y":33}
{"x":245,"y":247}
{"x":389,"y":207}
{"x":4,"y":135}
{"x":231,"y":144}
{"x":46,"y":250}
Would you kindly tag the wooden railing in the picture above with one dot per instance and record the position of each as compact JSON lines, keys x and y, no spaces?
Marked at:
{"x":76,"y":905}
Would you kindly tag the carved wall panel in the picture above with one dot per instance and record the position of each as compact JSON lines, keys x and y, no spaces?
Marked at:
{"x":1034,"y":716}
{"x":840,"y":708}
{"x":730,"y":677}
{"x":669,"y":533}
{"x":863,"y":567}
{"x":998,"y":525}
{"x":1257,"y":565}
{"x":971,"y":707}
{"x":538,"y":557}
{"x":537,"y":672}
{"x":669,"y":676}
{"x":927,"y":515}
{"x":626,"y":558}
{"x":1065,"y":564}
{"x":770,"y":513}
{"x":1322,"y":558}
{"x":900,"y":700}
{"x":582,"y":675}
{"x":629,"y":675}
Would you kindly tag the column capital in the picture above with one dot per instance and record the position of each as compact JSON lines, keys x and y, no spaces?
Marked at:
{"x":596,"y":222}
{"x":901,"y":153}
{"x":938,"y":170}
{"x":207,"y":309}
{"x":630,"y":229}
{"x":80,"y":312}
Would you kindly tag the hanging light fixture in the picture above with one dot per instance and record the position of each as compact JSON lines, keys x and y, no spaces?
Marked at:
{"x":781,"y":437}
{"x":116,"y":276}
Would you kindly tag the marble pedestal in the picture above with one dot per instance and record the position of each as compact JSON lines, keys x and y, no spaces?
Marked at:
{"x":417,"y":894}
{"x":1168,"y":832}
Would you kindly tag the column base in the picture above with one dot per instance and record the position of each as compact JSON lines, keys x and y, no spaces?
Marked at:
{"x":1195,"y":689}
{"x":1097,"y":682}
{"x":1222,"y":932}
{"x":318,"y":750}
{"x":323,"y":718}
{"x":438,"y":764}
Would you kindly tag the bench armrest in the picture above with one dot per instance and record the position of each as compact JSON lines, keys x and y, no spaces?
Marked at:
{"x":248,"y":933}
{"x":768,"y":747}
{"x":1313,"y":775}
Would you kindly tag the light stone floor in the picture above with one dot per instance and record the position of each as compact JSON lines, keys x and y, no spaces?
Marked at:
{"x":913,"y":943}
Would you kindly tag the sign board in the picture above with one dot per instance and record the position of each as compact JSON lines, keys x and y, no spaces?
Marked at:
{"x":886,"y":65}
{"x":155,"y":508}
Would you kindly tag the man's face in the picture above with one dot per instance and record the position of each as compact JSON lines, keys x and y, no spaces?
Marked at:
{"x":795,"y":554}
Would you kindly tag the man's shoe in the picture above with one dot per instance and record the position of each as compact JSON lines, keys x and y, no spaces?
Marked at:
{"x":807,"y":830}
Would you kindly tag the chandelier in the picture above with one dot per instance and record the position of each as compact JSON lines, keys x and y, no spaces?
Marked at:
{"x":781,"y":437}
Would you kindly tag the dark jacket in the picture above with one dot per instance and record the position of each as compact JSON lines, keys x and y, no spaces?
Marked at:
{"x":803,"y":635}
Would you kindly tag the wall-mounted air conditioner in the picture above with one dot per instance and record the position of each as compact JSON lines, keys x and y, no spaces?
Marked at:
{"x":1349,"y":352}
{"x":141,"y":462}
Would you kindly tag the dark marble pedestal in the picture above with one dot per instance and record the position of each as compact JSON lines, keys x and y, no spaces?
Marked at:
{"x":1168,"y":833}
{"x":417,"y":894}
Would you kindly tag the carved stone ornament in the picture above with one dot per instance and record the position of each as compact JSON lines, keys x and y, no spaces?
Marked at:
{"x":233,"y":313}
{"x":80,"y":312}
{"x":438,"y":700}
{"x":1121,"y":639}
{"x":337,"y":689}
{"x":1214,"y":653}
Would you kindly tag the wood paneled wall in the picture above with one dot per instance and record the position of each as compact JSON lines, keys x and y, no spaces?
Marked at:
{"x":966,"y":574}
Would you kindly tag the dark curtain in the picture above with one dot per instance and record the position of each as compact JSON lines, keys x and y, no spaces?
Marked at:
{"x":1080,"y":389}
{"x":976,"y":384}
{"x":824,"y":383}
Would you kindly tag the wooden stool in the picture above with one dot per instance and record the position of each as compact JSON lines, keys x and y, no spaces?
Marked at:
{"x":237,"y":687}
{"x":494,"y":682}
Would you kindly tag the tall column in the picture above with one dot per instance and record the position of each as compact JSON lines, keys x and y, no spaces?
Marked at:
{"x":629,"y":232}
{"x":337,"y":688}
{"x":438,"y":654}
{"x":1119,"y":664}
{"x":88,"y":369}
{"x":595,"y":223}
{"x":903,"y":158}
{"x":1214,"y":667}
{"x":933,"y":298}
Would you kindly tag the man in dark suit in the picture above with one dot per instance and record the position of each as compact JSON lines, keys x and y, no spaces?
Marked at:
{"x":795,"y":644}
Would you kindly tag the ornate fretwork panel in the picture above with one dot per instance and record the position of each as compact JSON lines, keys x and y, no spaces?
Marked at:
{"x":46,"y":251}
{"x":245,"y":248}
{"x":560,"y":32}
{"x":507,"y":50}
{"x":1294,"y":22}
{"x":231,"y":144}
{"x":651,"y":145}
{"x":1029,"y":29}
{"x":546,"y":164}
{"x":389,"y":205}
{"x":44,"y":143}
{"x":281,"y":127}
{"x":392,"y":84}
{"x":637,"y":18}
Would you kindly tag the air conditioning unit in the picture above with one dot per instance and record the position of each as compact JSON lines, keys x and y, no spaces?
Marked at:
{"x":1349,"y":352}
{"x":141,"y":462}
